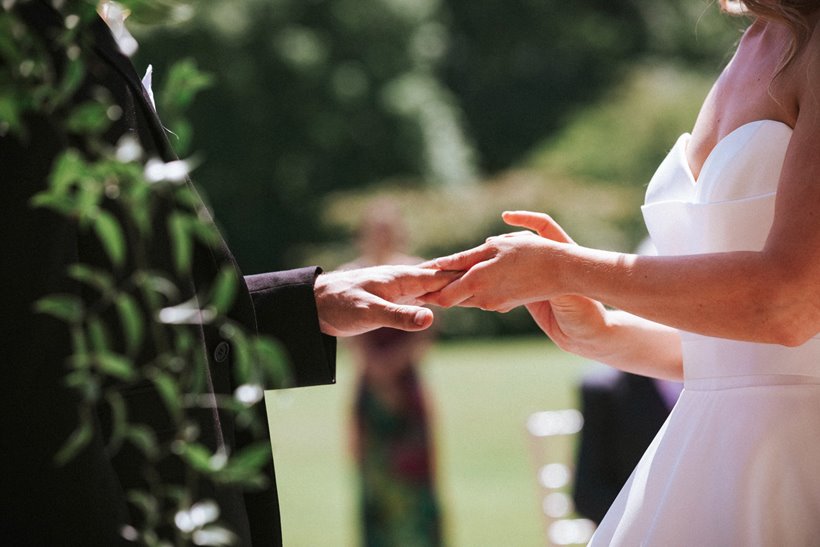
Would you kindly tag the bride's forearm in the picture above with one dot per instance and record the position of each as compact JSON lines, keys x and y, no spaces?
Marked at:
{"x":739,"y":295}
{"x":640,"y":346}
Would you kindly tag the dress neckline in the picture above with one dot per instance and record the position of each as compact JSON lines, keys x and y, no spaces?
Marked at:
{"x":722,"y":142}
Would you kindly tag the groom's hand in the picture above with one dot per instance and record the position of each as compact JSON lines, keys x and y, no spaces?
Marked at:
{"x":352,"y":302}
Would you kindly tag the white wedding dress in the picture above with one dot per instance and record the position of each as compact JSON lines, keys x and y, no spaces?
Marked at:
{"x":737,"y":463}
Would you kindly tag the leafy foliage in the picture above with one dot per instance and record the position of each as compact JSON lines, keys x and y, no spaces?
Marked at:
{"x":132,"y":322}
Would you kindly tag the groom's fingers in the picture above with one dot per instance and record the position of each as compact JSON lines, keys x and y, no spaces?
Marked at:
{"x":384,"y":313}
{"x":410,"y":318}
{"x":542,"y":223}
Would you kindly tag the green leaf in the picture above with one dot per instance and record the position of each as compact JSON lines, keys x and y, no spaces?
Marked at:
{"x":146,"y":503}
{"x":153,"y":283}
{"x":252,"y":458}
{"x":85,"y":382}
{"x":206,"y":232}
{"x":131,"y":320}
{"x":66,"y":307}
{"x":88,"y":118}
{"x":72,"y":78}
{"x":11,"y":111}
{"x":68,"y":169}
{"x":144,"y":438}
{"x":9,"y":46}
{"x":98,"y":334}
{"x":110,"y":233}
{"x":181,"y":243}
{"x":224,"y":290}
{"x":184,"y":132}
{"x":78,"y":378}
{"x":169,"y":391}
{"x":78,"y":342}
{"x":78,"y":439}
{"x":139,"y":206}
{"x":49,"y":200}
{"x":183,"y":82}
{"x":244,"y":370}
{"x":198,"y":457}
{"x":93,"y":277}
{"x":199,"y":369}
{"x":119,"y":420}
{"x":115,"y":365}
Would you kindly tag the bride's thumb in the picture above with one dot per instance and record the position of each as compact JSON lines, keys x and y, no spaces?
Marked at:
{"x":541,"y":223}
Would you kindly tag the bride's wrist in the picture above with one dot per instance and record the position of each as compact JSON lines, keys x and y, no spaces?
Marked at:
{"x":565,"y":268}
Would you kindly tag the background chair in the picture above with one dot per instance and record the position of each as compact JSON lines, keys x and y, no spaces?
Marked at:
{"x":552,"y":440}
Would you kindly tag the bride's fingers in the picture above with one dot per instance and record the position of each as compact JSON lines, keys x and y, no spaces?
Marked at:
{"x":508,"y":235}
{"x":454,"y":294}
{"x":540,"y":222}
{"x":465,"y":259}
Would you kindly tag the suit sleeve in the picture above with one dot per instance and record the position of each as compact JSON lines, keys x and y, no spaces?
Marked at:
{"x":286,"y":309}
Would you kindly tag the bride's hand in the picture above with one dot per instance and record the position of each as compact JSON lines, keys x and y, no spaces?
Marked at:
{"x":507,"y":270}
{"x":573,"y":322}
{"x":576,"y":324}
{"x":540,"y":223}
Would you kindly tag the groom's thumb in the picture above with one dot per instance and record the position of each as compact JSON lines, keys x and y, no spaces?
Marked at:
{"x":410,"y":318}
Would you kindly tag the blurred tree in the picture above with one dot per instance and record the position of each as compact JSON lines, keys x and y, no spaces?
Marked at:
{"x":311,"y":97}
{"x":692,"y":33}
{"x":520,"y":67}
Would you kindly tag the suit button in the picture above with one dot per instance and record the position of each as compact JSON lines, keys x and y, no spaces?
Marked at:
{"x":221,"y":351}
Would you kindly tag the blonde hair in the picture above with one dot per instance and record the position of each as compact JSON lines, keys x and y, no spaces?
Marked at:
{"x":792,"y":13}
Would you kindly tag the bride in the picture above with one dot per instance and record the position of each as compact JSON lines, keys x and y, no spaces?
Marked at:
{"x":732,"y":307}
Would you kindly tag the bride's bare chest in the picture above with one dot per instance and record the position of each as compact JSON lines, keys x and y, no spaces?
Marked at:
{"x":749,"y":89}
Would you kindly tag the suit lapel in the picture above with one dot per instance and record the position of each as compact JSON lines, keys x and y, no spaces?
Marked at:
{"x":106,"y":47}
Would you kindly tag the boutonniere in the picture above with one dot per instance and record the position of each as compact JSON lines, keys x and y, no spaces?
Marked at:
{"x":114,"y":16}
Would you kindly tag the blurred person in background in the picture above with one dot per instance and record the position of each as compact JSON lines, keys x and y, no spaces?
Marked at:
{"x":731,"y":305}
{"x":391,"y":437}
{"x":622,"y":414}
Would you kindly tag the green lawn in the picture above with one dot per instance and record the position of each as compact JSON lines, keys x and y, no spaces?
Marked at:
{"x":481,"y":393}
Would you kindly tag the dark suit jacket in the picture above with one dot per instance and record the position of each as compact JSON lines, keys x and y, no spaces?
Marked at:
{"x":84,"y":502}
{"x":622,"y":414}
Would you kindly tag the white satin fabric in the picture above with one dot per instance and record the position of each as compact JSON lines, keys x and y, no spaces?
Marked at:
{"x":737,"y":463}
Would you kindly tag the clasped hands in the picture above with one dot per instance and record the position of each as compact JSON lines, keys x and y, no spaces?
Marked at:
{"x":507,"y":271}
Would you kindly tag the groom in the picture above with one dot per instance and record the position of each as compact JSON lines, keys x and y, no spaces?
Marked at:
{"x":85,"y":502}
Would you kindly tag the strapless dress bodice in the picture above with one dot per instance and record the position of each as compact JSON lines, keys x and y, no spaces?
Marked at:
{"x":730,"y":207}
{"x":737,"y":463}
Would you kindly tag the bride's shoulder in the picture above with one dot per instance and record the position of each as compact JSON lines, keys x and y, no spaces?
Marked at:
{"x":807,"y":74}
{"x":813,"y":43}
